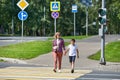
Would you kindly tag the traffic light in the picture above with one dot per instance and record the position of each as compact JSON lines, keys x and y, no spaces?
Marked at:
{"x":102,"y":16}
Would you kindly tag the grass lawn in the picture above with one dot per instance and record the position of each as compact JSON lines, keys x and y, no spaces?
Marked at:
{"x":26,"y":50}
{"x":71,"y":37}
{"x":2,"y":61}
{"x":112,"y":52}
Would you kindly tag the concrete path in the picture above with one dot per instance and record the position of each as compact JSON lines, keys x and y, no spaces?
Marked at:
{"x":86,"y":47}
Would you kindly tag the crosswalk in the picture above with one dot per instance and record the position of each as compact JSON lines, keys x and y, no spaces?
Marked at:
{"x":39,"y":73}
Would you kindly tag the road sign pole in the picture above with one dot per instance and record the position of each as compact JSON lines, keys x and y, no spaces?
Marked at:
{"x":22,"y":4}
{"x":55,"y":24}
{"x":74,"y":10}
{"x":102,"y":59}
{"x":22,"y":27}
{"x":55,"y":21}
{"x":74,"y":24}
{"x":55,"y":7}
{"x":86,"y":21}
{"x":55,"y":15}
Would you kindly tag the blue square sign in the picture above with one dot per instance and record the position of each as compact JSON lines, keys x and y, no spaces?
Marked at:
{"x":55,"y":6}
{"x":74,"y":9}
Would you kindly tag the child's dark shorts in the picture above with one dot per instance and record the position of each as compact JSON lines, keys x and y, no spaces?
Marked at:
{"x":72,"y":58}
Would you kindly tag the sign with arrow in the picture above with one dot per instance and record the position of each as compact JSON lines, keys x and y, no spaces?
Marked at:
{"x":22,"y":15}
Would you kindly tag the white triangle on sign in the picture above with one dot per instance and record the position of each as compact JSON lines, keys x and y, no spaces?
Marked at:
{"x":55,"y":6}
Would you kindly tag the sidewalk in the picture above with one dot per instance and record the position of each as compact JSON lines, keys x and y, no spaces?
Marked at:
{"x":86,"y":48}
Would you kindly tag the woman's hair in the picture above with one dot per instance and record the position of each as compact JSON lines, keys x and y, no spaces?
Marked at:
{"x":73,"y":40}
{"x":57,"y":33}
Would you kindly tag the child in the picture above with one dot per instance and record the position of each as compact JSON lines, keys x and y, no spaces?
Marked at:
{"x":73,"y":52}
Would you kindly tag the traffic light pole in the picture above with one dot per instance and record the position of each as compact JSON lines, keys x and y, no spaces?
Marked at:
{"x":102,"y":59}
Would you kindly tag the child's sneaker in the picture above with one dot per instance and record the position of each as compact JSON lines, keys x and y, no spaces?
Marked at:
{"x":72,"y":71}
{"x":59,"y":71}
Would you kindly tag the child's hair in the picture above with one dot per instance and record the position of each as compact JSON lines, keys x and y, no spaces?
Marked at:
{"x":73,"y":40}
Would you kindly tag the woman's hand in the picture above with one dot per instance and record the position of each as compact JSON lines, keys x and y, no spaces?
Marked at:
{"x":64,"y":52}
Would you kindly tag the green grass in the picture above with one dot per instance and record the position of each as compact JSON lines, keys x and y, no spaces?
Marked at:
{"x":112,"y":52}
{"x":71,"y":37}
{"x":26,"y":50}
{"x":2,"y":61}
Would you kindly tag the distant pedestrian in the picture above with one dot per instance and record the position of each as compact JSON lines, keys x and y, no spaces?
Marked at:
{"x":73,"y":52}
{"x":58,"y":49}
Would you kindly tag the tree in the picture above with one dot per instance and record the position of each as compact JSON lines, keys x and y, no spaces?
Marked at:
{"x":36,"y":25}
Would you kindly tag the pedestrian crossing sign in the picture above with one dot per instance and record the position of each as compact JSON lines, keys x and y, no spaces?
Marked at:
{"x":55,"y":6}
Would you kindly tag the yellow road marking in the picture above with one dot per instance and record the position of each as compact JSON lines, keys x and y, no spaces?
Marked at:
{"x":35,"y":73}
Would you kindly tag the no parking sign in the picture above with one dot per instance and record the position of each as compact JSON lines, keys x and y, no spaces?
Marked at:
{"x":55,"y":15}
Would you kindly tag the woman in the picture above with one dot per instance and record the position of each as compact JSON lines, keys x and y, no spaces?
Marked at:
{"x":58,"y":49}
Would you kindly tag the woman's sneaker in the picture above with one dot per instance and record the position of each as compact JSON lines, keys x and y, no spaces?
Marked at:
{"x":54,"y":70}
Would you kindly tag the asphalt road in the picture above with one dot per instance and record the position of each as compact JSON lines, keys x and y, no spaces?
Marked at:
{"x":101,"y":75}
{"x":13,"y":40}
{"x":108,"y":38}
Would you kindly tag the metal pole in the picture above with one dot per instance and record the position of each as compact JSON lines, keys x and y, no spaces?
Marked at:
{"x":22,"y":27}
{"x":55,"y":21}
{"x":44,"y":21}
{"x":86,"y":21}
{"x":74,"y":25}
{"x":102,"y":59}
{"x":12,"y":19}
{"x":55,"y":24}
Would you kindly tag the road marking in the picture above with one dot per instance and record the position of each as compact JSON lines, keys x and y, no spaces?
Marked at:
{"x":23,"y":73}
{"x":7,"y":40}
